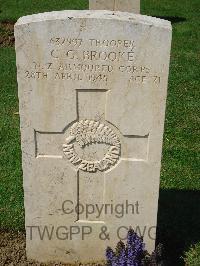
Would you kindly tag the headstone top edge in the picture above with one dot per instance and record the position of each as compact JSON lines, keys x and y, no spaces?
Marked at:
{"x":94,"y":14}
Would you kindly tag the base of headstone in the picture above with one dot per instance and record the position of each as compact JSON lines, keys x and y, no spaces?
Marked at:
{"x":132,"y":6}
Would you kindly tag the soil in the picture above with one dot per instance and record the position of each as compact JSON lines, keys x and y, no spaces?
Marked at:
{"x":12,"y":251}
{"x":7,"y":38}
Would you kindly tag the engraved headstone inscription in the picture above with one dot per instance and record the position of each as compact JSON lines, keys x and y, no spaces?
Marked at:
{"x":92,"y":89}
{"x":132,"y":6}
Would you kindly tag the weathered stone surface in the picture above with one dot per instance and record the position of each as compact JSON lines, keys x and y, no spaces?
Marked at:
{"x":92,"y":92}
{"x":116,"y":5}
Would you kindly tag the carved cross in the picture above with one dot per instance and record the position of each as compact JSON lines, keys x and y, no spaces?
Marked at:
{"x":92,"y":146}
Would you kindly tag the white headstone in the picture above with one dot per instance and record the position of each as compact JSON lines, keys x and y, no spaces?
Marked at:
{"x":92,"y":91}
{"x":132,"y":6}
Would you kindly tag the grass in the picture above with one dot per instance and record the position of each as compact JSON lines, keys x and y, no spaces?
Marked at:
{"x":11,"y":193}
{"x":13,"y":9}
{"x":179,"y":204}
{"x":192,"y":257}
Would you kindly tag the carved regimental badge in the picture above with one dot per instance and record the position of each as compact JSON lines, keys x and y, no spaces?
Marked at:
{"x":85,"y":133}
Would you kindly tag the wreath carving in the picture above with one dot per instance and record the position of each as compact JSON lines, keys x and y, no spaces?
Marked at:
{"x":87,"y":132}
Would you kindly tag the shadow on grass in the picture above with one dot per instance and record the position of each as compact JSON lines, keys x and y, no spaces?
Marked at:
{"x":173,"y":19}
{"x":178,"y":222}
